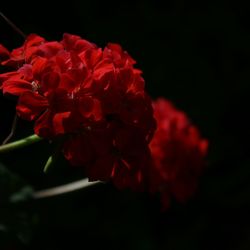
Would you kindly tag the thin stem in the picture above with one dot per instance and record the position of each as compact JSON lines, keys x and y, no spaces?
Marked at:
{"x":48,"y":164}
{"x":53,"y":158}
{"x":13,"y":26}
{"x":59,"y":190}
{"x":13,"y":130}
{"x":20,"y":143}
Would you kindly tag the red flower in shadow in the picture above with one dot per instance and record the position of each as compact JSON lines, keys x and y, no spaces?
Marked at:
{"x":178,"y":154}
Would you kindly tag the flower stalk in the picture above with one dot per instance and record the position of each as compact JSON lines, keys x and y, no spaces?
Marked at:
{"x":12,"y":25}
{"x":66,"y":188}
{"x":19,"y":143}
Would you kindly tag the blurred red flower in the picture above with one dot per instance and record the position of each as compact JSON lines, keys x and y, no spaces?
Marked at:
{"x":178,"y":154}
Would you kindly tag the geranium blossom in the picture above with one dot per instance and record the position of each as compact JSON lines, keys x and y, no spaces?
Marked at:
{"x":91,"y":97}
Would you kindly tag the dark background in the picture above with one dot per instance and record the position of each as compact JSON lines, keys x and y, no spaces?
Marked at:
{"x":195,"y":54}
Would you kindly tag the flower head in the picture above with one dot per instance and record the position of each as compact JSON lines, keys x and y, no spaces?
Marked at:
{"x":91,"y":97}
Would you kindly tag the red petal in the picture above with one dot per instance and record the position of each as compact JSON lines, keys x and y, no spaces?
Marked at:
{"x":91,"y":57}
{"x":58,"y":120}
{"x":16,"y":58}
{"x":90,"y":107}
{"x":43,"y":126}
{"x":30,"y":105}
{"x":38,"y":66}
{"x":49,"y":49}
{"x":16,"y":87}
{"x":9,"y":75}
{"x":117,"y":54}
{"x":26,"y":72}
{"x":50,"y":81}
{"x":33,"y":40}
{"x":68,"y":83}
{"x":73,"y":42}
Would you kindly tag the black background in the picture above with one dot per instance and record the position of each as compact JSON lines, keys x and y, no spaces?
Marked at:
{"x":195,"y":54}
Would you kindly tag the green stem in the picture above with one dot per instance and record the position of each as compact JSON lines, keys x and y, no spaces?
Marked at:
{"x":48,"y":164}
{"x":53,"y":158}
{"x":70,"y":187}
{"x":20,"y":143}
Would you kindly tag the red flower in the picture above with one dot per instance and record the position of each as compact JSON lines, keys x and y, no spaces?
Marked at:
{"x":94,"y":99}
{"x":178,"y":154}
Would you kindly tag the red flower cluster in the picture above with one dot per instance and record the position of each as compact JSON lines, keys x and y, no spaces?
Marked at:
{"x":94,"y":99}
{"x":178,"y":154}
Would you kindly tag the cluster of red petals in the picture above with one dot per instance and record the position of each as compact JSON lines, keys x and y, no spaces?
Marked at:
{"x":91,"y":97}
{"x":178,"y":154}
